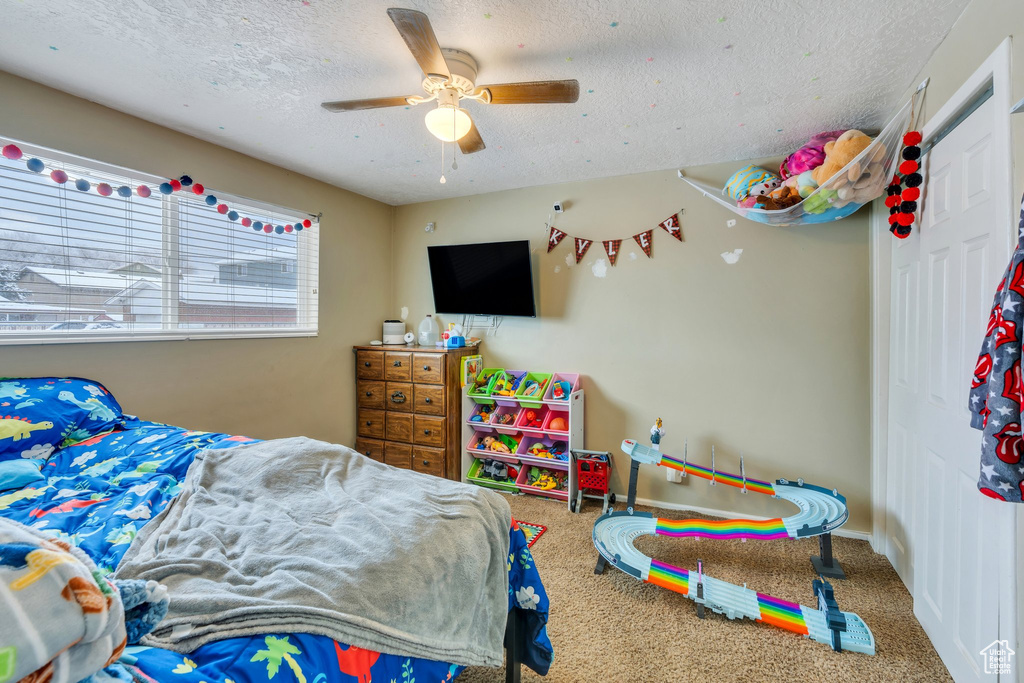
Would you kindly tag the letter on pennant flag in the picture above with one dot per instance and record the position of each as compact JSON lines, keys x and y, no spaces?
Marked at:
{"x":672,"y":227}
{"x":581,"y":247}
{"x":644,"y":240}
{"x":611,"y":247}
{"x":554,"y":238}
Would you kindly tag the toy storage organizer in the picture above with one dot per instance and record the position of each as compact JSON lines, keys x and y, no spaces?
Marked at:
{"x":523,"y":422}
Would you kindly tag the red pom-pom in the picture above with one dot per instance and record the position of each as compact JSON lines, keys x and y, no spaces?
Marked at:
{"x":198,"y":189}
{"x":104,"y":189}
{"x":892,"y":201}
{"x":143,"y":191}
{"x":12,"y":152}
{"x":911,"y":194}
{"x":307,"y":223}
{"x":901,"y":233}
{"x":908,"y":167}
{"x":912,"y":138}
{"x":892,"y":218}
{"x":268,"y":228}
{"x":905,"y":218}
{"x":175,"y":185}
{"x":222,"y":208}
{"x":58,"y":176}
{"x":288,"y":227}
{"x":895,"y":180}
{"x":247,"y":222}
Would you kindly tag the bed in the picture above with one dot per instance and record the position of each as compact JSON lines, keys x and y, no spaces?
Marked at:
{"x":109,"y":474}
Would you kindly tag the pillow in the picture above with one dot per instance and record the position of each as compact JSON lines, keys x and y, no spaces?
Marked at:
{"x":17,"y":474}
{"x":39,"y":415}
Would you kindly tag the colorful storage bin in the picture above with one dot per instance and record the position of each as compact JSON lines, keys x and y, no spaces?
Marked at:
{"x":482,"y":394}
{"x":483,"y":425}
{"x":512,"y":441}
{"x":565,"y":380}
{"x":534,"y":400}
{"x":558,"y":494}
{"x":508,"y":413}
{"x":476,"y":476}
{"x":514,"y":378}
{"x":547,"y":442}
{"x":537,"y":424}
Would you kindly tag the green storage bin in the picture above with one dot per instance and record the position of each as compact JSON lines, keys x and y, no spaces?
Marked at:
{"x":544,"y":378}
{"x":473,"y":476}
{"x":483,"y":393}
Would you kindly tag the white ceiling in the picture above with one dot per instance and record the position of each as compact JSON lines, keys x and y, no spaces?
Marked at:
{"x":663,"y":83}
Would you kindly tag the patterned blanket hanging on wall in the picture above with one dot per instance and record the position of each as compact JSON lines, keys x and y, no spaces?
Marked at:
{"x":997,"y":392}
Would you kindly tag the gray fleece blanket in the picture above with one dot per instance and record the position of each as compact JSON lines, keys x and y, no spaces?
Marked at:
{"x":302,"y":536}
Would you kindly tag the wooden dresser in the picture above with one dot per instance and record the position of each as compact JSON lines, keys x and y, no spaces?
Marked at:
{"x":409,"y":407}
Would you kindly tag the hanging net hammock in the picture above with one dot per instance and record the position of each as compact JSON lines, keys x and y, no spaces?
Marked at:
{"x":856,"y":184}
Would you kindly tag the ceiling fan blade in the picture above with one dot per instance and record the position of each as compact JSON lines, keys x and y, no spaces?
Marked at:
{"x":419,"y":36}
{"x":356,"y":105}
{"x":564,"y":92}
{"x":471,"y":141}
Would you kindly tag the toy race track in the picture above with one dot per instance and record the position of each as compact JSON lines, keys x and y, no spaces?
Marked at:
{"x":820,"y":511}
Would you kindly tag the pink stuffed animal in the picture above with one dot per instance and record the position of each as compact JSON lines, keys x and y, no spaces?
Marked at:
{"x":808,"y":157}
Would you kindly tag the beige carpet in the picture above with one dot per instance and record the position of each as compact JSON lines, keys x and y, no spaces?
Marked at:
{"x":614,"y":628}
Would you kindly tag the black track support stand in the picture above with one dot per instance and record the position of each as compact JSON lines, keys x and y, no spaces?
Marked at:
{"x":824,"y":564}
{"x":515,"y":640}
{"x":634,"y":474}
{"x":601,"y":564}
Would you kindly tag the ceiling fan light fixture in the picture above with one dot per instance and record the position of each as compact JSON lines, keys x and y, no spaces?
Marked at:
{"x":448,"y":123}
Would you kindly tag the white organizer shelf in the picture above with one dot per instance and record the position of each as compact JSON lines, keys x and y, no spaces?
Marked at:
{"x":571,"y":409}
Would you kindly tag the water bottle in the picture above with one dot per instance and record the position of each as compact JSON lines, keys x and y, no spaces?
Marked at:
{"x":429,"y":332}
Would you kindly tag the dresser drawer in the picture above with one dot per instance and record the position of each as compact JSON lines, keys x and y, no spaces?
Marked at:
{"x":370,"y":423}
{"x":429,"y":431}
{"x":398,"y":455}
{"x":429,"y":399}
{"x":369,"y":394}
{"x":428,"y":368}
{"x":372,"y":449}
{"x":398,"y":396}
{"x":399,"y":427}
{"x":370,"y":364}
{"x":398,"y":366}
{"x":428,"y":460}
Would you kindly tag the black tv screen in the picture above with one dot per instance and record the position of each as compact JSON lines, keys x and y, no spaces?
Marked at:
{"x":490,"y":278}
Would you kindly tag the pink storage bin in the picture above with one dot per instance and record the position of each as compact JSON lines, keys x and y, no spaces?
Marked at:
{"x":521,"y":484}
{"x":550,"y":417}
{"x":573,"y":378}
{"x":485,"y":453}
{"x":509,"y":428}
{"x":541,"y":412}
{"x":512,"y":376}
{"x":523,"y":453}
{"x":480,"y":426}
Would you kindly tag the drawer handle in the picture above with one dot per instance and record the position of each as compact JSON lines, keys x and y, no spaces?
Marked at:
{"x":426,"y":462}
{"x":426,"y":367}
{"x":366,"y":364}
{"x":368,"y":423}
{"x":369,"y":393}
{"x":367,"y":454}
{"x":397,"y":364}
{"x":398,"y":397}
{"x":426,"y":400}
{"x":426,"y":431}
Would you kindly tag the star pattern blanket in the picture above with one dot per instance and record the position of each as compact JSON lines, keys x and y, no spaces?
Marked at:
{"x":997,"y":393}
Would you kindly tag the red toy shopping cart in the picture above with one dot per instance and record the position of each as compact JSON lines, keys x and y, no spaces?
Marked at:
{"x":593,"y":471}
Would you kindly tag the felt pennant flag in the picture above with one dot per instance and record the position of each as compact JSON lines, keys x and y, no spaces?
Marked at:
{"x":581,"y":247}
{"x":644,"y":240}
{"x":554,"y":238}
{"x":611,"y":247}
{"x":672,"y":227}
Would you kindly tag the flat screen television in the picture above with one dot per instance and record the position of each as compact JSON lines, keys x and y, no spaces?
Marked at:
{"x":490,"y":278}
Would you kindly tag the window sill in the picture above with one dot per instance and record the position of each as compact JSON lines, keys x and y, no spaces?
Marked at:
{"x":9,"y":339}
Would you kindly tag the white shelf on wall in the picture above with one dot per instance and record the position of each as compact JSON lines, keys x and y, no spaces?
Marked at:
{"x":571,"y":409}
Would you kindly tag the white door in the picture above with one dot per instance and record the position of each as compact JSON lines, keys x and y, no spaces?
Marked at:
{"x":942,"y":535}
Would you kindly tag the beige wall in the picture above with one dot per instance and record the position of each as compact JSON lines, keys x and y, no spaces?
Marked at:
{"x":264,"y":387}
{"x":768,"y":357}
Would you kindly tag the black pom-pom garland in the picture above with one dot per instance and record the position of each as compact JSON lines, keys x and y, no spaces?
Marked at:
{"x":903,"y":203}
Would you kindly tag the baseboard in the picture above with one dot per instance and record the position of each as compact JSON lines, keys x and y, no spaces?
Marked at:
{"x":729,"y":514}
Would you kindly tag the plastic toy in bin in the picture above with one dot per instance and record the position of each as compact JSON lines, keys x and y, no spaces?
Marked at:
{"x":534,"y":389}
{"x":497,"y":471}
{"x":592,"y":478}
{"x":556,"y":451}
{"x":483,"y":415}
{"x":560,"y":391}
{"x":558,"y":424}
{"x":531,"y":419}
{"x":503,"y":387}
{"x":505,"y":418}
{"x":549,"y":480}
{"x":489,"y":443}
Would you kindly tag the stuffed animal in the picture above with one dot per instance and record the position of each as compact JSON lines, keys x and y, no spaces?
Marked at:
{"x":805,"y":184}
{"x":839,"y":153}
{"x":751,"y":181}
{"x":808,"y":157}
{"x":492,"y":444}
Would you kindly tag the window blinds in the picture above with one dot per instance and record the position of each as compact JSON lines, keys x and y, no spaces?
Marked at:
{"x":75,"y":265}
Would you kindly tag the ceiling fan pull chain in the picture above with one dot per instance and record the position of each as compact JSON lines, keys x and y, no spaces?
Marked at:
{"x":443,"y":180}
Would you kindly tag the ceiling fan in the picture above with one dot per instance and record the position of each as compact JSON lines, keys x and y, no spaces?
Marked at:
{"x":451,"y":77}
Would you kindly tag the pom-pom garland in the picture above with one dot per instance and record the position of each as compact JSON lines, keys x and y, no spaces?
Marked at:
{"x":902,"y":203}
{"x":59,"y":176}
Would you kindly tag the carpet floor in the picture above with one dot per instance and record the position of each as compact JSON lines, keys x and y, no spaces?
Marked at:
{"x":614,"y":628}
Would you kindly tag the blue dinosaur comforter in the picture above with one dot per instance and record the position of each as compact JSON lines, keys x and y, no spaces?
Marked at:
{"x":101,"y":491}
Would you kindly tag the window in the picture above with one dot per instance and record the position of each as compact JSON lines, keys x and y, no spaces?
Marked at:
{"x":78,"y":266}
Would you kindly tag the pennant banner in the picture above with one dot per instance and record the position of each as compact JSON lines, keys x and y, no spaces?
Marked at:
{"x":581,"y":247}
{"x":644,"y":240}
{"x":611,"y":247}
{"x":555,"y":237}
{"x":672,"y":227}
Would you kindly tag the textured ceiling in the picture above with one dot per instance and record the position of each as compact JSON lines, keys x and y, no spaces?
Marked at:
{"x":663,"y":83}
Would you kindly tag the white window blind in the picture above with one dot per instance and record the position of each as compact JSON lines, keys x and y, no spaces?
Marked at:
{"x":78,"y":266}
